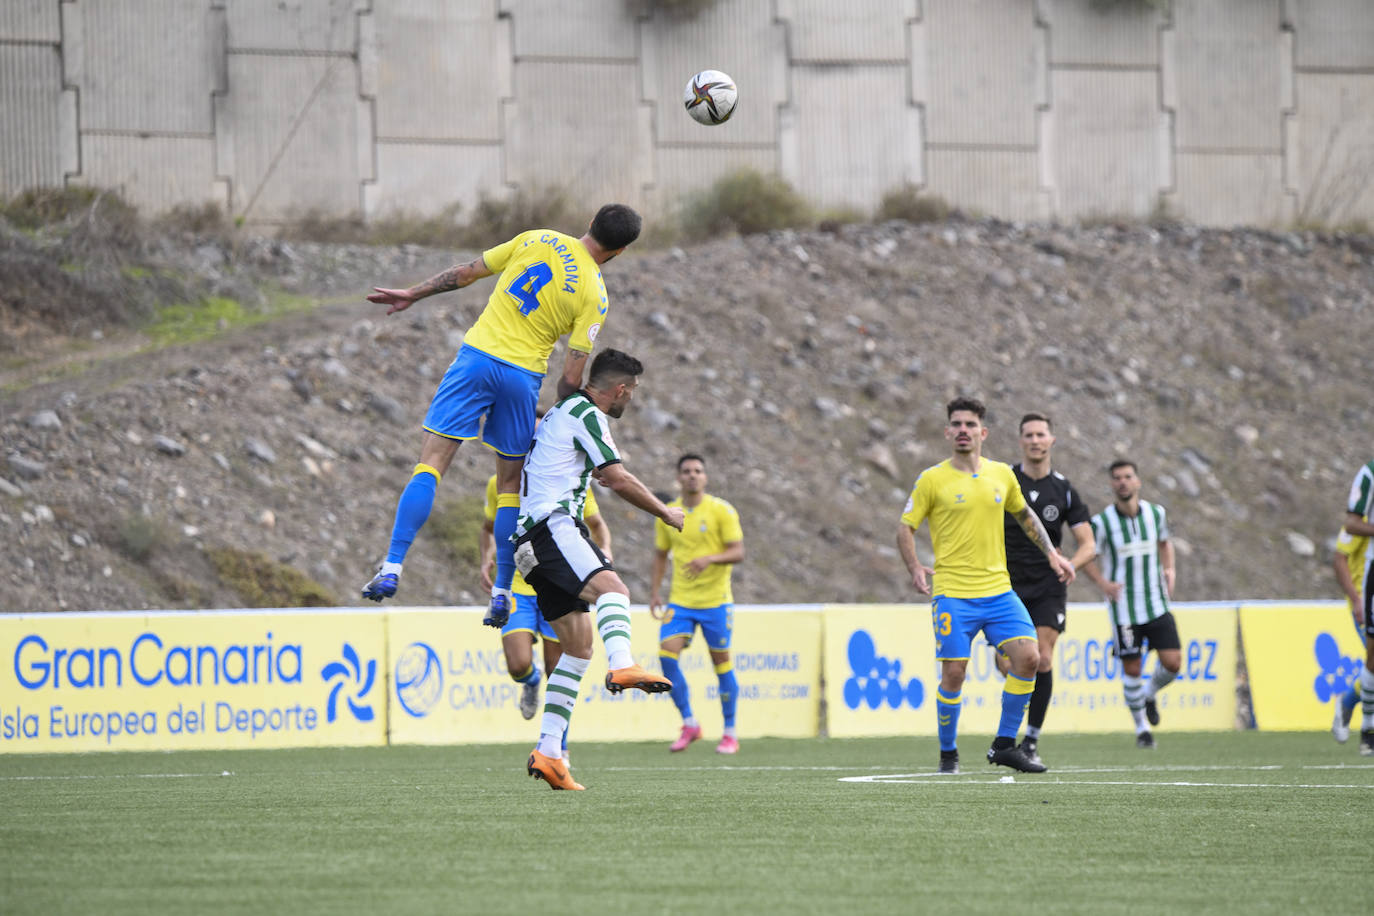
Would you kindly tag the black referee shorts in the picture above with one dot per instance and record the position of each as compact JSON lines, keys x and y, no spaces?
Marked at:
{"x":1047,"y":603}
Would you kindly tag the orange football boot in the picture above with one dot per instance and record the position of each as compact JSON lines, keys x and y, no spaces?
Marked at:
{"x":553,"y":771}
{"x":619,"y":679}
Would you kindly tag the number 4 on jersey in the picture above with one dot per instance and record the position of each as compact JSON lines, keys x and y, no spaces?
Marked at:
{"x":527,"y":286}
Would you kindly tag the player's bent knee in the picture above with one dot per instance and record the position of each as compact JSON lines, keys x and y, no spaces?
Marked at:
{"x":601,"y":583}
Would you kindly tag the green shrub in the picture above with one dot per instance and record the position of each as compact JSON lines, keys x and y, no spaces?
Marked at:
{"x":138,"y":536}
{"x":909,"y":203}
{"x":746,"y":202}
{"x":37,"y":208}
{"x":456,"y":526}
{"x":263,"y":582}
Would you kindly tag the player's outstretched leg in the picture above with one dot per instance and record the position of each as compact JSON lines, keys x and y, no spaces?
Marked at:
{"x":613,"y":622}
{"x":412,"y":511}
{"x":507,"y":514}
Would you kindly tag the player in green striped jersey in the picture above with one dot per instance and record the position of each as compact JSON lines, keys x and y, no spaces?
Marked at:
{"x":1134,"y":569}
{"x":1358,"y":509}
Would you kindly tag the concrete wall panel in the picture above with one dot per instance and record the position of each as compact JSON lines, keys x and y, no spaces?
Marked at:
{"x":155,"y":173}
{"x":1108,"y":136}
{"x":291,"y":125}
{"x":425,"y":178}
{"x":31,"y":136}
{"x":440,"y":78}
{"x":684,"y":171}
{"x":144,"y":66}
{"x":1084,"y":34}
{"x":743,"y":40}
{"x":30,"y":20}
{"x":1334,"y":33}
{"x":1333,"y":147}
{"x":601,"y":151}
{"x":998,"y":182}
{"x":1229,"y":74}
{"x":856,"y":137}
{"x":1221,"y":189}
{"x":983,"y":66}
{"x":294,"y":26}
{"x":598,"y":29}
{"x":856,"y":30}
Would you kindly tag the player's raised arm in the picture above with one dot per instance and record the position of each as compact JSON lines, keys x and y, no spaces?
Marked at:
{"x":455,"y":277}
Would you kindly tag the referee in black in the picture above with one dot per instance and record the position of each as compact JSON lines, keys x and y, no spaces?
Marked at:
{"x":1053,"y":498}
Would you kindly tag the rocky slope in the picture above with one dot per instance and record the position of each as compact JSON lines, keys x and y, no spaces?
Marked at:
{"x":810,"y":368}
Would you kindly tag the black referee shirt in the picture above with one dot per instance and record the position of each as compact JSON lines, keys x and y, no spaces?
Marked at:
{"x":1057,"y":503}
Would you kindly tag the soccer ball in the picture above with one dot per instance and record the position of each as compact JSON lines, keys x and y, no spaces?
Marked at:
{"x":710,"y":97}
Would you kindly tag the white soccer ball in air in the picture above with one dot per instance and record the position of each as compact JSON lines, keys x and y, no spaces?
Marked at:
{"x":710,"y":97}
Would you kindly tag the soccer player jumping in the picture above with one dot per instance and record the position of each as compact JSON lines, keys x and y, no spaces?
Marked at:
{"x":550,"y":285}
{"x":965,"y":497}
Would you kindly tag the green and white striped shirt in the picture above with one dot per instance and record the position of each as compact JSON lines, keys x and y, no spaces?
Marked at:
{"x":1128,"y":552}
{"x":573,"y":439}
{"x":1361,"y":491}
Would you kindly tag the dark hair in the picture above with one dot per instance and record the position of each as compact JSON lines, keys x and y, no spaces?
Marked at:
{"x":690,"y":456}
{"x":615,"y":226}
{"x":1032,"y":416}
{"x":970,"y":404}
{"x":611,"y":366}
{"x":1123,"y":463}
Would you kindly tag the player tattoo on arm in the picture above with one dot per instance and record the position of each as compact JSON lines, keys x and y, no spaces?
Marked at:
{"x":1035,"y":530}
{"x":455,"y":277}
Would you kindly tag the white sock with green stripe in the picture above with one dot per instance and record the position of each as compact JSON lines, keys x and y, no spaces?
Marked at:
{"x":613,"y":623}
{"x":560,"y":696}
{"x":1159,"y":680}
{"x":1133,"y":686}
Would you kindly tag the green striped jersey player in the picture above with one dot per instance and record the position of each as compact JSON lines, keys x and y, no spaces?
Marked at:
{"x":1134,"y":569}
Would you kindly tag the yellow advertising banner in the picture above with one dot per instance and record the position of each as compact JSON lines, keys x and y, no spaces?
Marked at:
{"x":1300,"y":658}
{"x":451,"y":686}
{"x":1087,"y":673}
{"x":881,"y":674}
{"x":173,"y":681}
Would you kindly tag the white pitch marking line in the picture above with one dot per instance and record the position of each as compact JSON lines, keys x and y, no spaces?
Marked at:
{"x":111,"y":776}
{"x":923,"y":779}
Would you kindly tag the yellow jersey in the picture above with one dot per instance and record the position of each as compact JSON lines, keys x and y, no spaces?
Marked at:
{"x":518,"y":585}
{"x":707,"y":528}
{"x":549,"y":286}
{"x":1355,"y":549}
{"x":966,"y":525}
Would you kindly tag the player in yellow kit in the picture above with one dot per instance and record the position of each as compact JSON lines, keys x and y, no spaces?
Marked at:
{"x":550,"y":286}
{"x":964,"y":497}
{"x":704,"y":553}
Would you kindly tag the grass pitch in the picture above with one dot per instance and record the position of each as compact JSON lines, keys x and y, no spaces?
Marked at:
{"x":1219,"y":823}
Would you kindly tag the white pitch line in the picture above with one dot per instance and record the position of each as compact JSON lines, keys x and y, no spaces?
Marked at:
{"x":79,"y":776}
{"x":924,"y":779}
{"x":765,"y":769}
